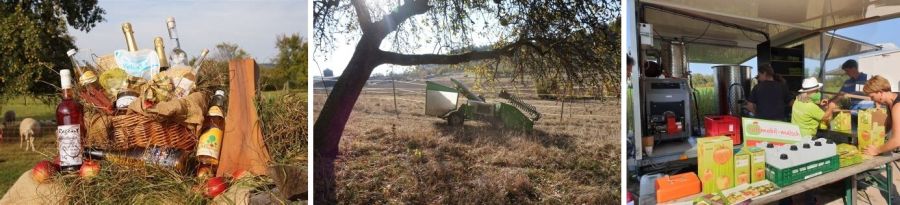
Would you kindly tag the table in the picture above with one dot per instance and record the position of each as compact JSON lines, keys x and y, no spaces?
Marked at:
{"x":849,"y":172}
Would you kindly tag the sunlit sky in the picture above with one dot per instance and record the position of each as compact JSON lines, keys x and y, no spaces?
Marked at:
{"x":253,"y":25}
{"x":345,"y":45}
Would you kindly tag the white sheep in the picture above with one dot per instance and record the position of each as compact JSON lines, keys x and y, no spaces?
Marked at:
{"x":28,"y":128}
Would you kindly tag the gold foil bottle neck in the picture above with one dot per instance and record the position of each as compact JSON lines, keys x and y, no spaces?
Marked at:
{"x":129,"y":37}
{"x":161,"y":52}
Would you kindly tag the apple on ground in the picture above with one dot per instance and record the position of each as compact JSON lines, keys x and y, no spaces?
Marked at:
{"x":43,"y":171}
{"x":240,"y":173}
{"x":215,"y":186}
{"x":89,"y":169}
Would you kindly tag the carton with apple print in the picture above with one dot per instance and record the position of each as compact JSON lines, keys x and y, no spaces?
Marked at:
{"x":742,"y":167}
{"x":757,"y":164}
{"x":871,"y":127}
{"x":715,"y":163}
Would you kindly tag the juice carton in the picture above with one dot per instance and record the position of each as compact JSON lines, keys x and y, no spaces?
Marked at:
{"x":841,"y":122}
{"x":742,"y":167}
{"x":871,"y":127}
{"x":715,"y":163}
{"x":757,"y":164}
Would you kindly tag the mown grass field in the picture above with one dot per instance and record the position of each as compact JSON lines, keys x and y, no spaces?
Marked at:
{"x":406,"y":157}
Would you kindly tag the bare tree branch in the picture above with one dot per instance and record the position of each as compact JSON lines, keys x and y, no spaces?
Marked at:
{"x":422,"y":59}
{"x":392,"y":21}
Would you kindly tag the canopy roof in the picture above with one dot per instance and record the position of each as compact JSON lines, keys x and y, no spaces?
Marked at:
{"x":727,"y":32}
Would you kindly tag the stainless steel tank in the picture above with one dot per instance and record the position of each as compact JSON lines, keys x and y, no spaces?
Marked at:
{"x":678,"y":59}
{"x":732,"y":85}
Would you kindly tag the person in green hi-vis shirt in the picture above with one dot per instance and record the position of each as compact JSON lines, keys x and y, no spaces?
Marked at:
{"x":807,"y":112}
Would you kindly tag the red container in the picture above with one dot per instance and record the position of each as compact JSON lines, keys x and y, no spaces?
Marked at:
{"x":724,"y":125}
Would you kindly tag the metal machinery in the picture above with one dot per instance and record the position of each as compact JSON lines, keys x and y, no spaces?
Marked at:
{"x":732,"y":87}
{"x":441,"y":101}
{"x":667,"y":108}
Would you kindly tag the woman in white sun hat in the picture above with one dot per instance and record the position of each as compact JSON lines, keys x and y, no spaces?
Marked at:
{"x":807,"y":112}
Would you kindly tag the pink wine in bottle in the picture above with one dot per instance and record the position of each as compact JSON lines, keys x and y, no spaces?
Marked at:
{"x":69,"y":129}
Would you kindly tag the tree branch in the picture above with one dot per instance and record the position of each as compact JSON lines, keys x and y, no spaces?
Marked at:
{"x":362,"y":15}
{"x":421,"y":59}
{"x":392,"y":21}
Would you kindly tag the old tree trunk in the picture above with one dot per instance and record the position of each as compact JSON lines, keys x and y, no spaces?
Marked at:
{"x":336,"y":111}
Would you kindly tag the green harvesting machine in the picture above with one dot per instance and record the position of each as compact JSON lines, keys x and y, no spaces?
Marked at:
{"x":442,"y":101}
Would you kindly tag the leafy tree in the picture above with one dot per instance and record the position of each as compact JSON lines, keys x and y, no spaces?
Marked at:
{"x":292,"y":59}
{"x":226,"y":51}
{"x":573,"y":41}
{"x":34,"y":40}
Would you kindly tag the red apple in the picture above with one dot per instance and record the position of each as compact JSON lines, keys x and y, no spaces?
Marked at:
{"x":215,"y":186}
{"x":240,"y":173}
{"x":204,"y":172}
{"x":43,"y":171}
{"x":89,"y":169}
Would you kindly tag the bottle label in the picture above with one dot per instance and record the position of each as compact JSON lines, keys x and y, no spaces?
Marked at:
{"x":69,"y":139}
{"x":160,"y":157}
{"x":210,"y":143}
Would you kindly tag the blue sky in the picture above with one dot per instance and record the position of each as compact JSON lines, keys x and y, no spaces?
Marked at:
{"x":254,"y":25}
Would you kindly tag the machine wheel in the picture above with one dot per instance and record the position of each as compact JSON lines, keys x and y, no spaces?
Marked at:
{"x":456,"y":118}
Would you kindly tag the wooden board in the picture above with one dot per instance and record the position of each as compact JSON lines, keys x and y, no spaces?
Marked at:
{"x":242,"y":143}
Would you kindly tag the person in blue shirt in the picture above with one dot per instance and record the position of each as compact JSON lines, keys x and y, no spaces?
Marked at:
{"x":854,"y":84}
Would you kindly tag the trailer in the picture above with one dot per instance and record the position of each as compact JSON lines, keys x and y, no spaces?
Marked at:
{"x":673,"y":34}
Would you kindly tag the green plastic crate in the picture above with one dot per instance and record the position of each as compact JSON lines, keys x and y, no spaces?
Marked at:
{"x":788,"y":176}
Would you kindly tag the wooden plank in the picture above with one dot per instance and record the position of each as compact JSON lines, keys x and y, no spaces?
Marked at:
{"x":817,"y":181}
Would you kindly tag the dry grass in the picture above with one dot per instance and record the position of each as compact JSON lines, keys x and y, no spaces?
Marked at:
{"x":418,"y":159}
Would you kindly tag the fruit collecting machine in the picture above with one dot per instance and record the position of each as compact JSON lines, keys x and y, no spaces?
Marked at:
{"x":443,"y":101}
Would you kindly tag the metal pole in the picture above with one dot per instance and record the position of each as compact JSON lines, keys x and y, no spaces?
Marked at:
{"x":635,"y":85}
{"x":394,"y":88}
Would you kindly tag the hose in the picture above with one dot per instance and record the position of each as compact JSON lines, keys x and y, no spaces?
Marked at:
{"x":694,"y":103}
{"x":731,"y":101}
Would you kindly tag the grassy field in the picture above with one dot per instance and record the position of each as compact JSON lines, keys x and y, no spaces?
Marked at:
{"x":26,"y":107}
{"x":13,"y":159}
{"x":390,"y":157}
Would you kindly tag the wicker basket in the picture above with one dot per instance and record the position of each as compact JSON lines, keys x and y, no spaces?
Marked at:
{"x":136,"y":130}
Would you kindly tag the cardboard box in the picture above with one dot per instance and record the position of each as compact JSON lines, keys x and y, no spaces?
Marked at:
{"x":871,"y":127}
{"x":676,"y":186}
{"x":841,"y":122}
{"x":772,"y":132}
{"x":742,"y":167}
{"x":757,"y":164}
{"x":715,"y":163}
